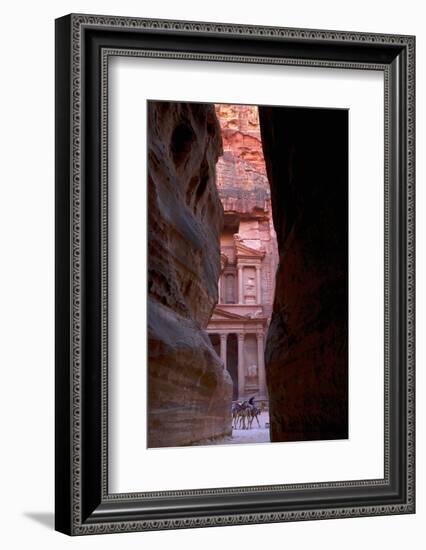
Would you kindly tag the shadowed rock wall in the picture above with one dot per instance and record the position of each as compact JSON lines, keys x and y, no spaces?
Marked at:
{"x":307,"y":345}
{"x":189,"y":392}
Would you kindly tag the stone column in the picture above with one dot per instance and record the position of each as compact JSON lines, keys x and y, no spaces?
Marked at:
{"x":240,"y":285}
{"x":219,"y":290}
{"x":241,"y":373}
{"x":258,"y":288}
{"x":223,"y":338}
{"x":261,"y":366}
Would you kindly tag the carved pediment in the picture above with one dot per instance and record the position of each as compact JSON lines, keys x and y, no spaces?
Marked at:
{"x":225,"y":315}
{"x":220,"y":313}
{"x":243,"y":250}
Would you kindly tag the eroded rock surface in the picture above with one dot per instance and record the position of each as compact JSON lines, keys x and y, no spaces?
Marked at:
{"x":241,"y":174}
{"x":307,"y":344}
{"x":245,"y":193}
{"x":189,"y":392}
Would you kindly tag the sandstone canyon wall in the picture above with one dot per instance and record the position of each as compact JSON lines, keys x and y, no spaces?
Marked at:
{"x":307,"y":344}
{"x":189,"y":392}
{"x":241,"y":172}
{"x":245,"y":193}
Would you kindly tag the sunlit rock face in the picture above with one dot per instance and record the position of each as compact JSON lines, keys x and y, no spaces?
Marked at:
{"x":189,"y":392}
{"x":245,"y":194}
{"x":249,"y":253}
{"x":241,"y":174}
{"x":307,"y":345}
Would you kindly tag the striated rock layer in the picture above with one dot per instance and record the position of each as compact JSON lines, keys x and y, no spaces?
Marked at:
{"x":245,"y":193}
{"x":189,"y":392}
{"x":307,"y":345}
{"x":241,"y":174}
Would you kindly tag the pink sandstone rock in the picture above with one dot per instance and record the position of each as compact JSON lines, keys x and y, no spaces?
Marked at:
{"x":189,"y":392}
{"x":249,"y":253}
{"x":245,"y":192}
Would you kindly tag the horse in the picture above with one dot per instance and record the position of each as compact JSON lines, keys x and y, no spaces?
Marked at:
{"x":243,"y":414}
{"x":254,"y":414}
{"x":236,"y":409}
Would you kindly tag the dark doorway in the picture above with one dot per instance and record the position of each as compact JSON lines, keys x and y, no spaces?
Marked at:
{"x":232,"y":363}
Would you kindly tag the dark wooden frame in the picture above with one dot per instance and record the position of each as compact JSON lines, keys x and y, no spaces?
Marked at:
{"x":83,"y":45}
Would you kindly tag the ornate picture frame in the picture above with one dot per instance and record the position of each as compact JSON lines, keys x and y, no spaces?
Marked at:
{"x":84,"y":45}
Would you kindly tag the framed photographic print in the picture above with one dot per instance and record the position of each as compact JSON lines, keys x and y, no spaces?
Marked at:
{"x":234,"y":274}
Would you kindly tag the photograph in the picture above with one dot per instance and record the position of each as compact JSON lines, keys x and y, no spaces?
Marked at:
{"x":235,"y":273}
{"x":213,"y":250}
{"x":247,"y":273}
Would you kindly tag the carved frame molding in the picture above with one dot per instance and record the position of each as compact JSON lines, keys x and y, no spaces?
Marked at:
{"x":83,"y":504}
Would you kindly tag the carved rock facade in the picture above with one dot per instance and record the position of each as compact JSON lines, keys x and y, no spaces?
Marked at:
{"x":189,"y":392}
{"x":249,"y":253}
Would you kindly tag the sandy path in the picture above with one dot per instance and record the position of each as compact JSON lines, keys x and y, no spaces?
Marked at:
{"x":255,"y":435}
